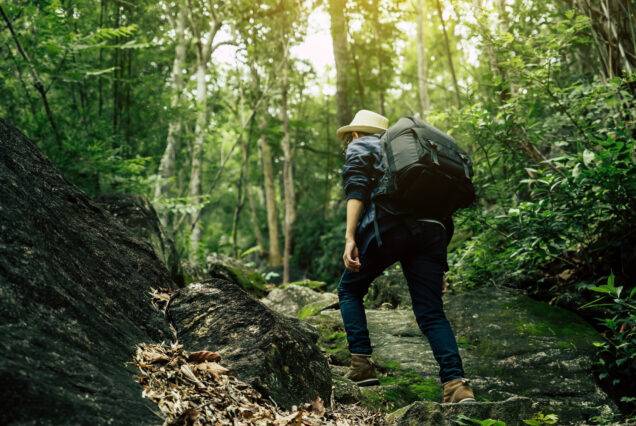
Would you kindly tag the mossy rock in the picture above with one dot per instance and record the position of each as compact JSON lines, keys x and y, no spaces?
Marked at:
{"x":510,"y":345}
{"x":311,"y":310}
{"x":344,"y":390}
{"x":314,"y":285}
{"x":332,"y":338}
{"x":512,"y":411}
{"x":228,"y":268}
{"x":299,"y":302}
{"x":399,"y":387}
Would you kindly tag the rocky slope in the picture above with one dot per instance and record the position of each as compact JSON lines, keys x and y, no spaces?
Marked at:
{"x":512,"y":346}
{"x":140,"y":218}
{"x":275,"y":354}
{"x":74,"y":299}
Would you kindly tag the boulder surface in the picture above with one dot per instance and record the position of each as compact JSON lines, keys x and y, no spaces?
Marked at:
{"x":220,"y":266}
{"x":74,"y":299}
{"x":511,"y":411}
{"x":276,"y":354}
{"x":295,"y":300}
{"x":510,"y":344}
{"x":140,"y":217}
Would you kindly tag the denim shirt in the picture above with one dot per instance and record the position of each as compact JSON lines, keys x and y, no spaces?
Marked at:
{"x":361,"y":172}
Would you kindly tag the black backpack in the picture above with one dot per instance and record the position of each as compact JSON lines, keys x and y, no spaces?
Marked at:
{"x":426,"y":173}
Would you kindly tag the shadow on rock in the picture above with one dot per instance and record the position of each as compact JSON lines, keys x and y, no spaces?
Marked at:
{"x":275,"y":354}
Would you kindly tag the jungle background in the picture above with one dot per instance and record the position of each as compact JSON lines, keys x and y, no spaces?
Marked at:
{"x":224,"y":114}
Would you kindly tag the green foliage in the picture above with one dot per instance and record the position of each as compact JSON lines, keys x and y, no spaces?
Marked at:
{"x":618,"y":352}
{"x":575,"y":199}
{"x":314,"y":285}
{"x":540,"y":419}
{"x":466,"y":421}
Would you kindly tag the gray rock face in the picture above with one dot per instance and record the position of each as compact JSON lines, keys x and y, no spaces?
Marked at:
{"x":140,"y":217}
{"x":389,"y":289}
{"x":510,"y":344}
{"x":289,"y":300}
{"x":511,"y":411}
{"x":74,"y":299}
{"x":276,"y":354}
{"x":345,"y":391}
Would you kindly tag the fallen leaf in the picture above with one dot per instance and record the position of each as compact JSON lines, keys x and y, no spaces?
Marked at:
{"x":187,"y":371}
{"x":203,"y":356}
{"x":317,"y":406}
{"x":294,"y":418}
{"x":211,"y":367}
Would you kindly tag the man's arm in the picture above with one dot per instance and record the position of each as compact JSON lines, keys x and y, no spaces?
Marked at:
{"x":350,"y":256}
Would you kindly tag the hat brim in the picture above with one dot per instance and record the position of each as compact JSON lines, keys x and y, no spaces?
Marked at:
{"x":341,"y":132}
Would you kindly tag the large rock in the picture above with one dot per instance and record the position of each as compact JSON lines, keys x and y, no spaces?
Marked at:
{"x":299,"y":301}
{"x":228,"y":268}
{"x":276,"y":354}
{"x":511,"y":345}
{"x":140,"y":217}
{"x":389,"y":289}
{"x":74,"y":299}
{"x":511,"y":411}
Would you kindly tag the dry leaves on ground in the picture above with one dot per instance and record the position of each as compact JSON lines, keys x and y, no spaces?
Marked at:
{"x":194,"y":389}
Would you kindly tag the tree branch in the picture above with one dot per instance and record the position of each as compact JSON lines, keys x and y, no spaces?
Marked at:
{"x":37,"y":82}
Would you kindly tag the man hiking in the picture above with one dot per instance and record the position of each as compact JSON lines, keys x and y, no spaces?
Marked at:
{"x":375,"y":239}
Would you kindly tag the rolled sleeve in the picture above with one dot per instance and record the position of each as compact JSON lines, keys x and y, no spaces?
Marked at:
{"x":356,"y":179}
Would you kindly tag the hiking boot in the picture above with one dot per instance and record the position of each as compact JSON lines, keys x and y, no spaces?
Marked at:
{"x":362,"y":371}
{"x":458,"y":390}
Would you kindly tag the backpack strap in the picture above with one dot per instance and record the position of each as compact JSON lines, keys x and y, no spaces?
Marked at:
{"x":376,"y":228}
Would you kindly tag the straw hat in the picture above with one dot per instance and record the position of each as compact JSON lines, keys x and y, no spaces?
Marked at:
{"x":364,"y":121}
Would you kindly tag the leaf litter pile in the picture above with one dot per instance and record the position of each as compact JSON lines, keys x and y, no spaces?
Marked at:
{"x":194,"y":389}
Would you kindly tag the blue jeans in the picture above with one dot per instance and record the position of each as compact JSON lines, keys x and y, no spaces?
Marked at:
{"x":423,"y":259}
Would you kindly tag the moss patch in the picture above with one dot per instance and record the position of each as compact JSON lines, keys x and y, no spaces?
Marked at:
{"x":332,"y":339}
{"x":399,"y":387}
{"x":228,"y":268}
{"x":252,"y":281}
{"x":547,"y":320}
{"x":314,"y":285}
{"x":310,"y":310}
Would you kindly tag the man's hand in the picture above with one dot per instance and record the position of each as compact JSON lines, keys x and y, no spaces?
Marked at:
{"x":350,"y":256}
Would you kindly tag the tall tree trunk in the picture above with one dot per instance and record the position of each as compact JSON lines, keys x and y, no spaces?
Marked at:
{"x":288,"y":177}
{"x":375,"y":13}
{"x":449,"y":56}
{"x":169,"y":157}
{"x":273,"y":253}
{"x":197,"y":151}
{"x":508,"y":87}
{"x":256,"y":229}
{"x":503,"y":91}
{"x":341,"y":56}
{"x":100,"y":81}
{"x":614,"y":33}
{"x":240,"y":194}
{"x":116,"y":73}
{"x":204,"y":49}
{"x":422,"y":67}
